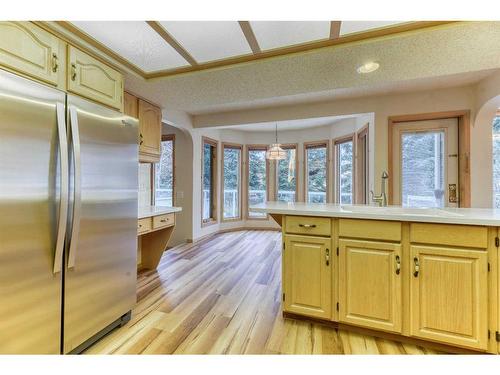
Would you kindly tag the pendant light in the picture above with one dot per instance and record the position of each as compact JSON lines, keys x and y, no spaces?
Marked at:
{"x":274,"y":151}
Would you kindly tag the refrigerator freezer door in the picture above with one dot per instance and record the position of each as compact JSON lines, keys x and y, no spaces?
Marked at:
{"x":101,"y":275}
{"x":30,"y":196}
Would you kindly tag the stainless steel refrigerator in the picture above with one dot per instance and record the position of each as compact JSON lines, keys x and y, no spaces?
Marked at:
{"x":68,"y":218}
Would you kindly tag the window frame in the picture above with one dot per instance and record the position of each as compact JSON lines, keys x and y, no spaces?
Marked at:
{"x":362,"y":165}
{"x":248,"y":148}
{"x":233,"y":146}
{"x":214,"y":217}
{"x":164,"y":137}
{"x":311,"y":145}
{"x":288,"y":146}
{"x":336,"y":186}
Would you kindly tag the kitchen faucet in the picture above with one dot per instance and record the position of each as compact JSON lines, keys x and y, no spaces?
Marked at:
{"x":381,"y":199}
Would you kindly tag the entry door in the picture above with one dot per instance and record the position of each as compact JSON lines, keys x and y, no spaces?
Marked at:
{"x":425,"y":163}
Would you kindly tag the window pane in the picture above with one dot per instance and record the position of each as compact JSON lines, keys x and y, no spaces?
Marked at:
{"x":496,"y":161}
{"x":256,"y":180}
{"x":232,"y":163}
{"x":316,"y":175}
{"x":207,"y":181}
{"x":164,"y":175}
{"x":422,"y":172}
{"x":345,"y":164}
{"x":287,"y":177}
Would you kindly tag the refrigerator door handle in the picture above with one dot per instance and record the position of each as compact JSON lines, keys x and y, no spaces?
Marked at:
{"x":77,"y":202}
{"x":63,"y":205}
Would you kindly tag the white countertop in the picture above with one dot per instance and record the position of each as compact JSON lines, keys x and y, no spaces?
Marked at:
{"x":149,"y":211}
{"x":468,"y":216}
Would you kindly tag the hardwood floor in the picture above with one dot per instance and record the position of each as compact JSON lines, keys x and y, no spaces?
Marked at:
{"x":223,"y":296}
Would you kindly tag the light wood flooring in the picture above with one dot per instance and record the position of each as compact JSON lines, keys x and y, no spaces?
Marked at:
{"x":223,"y":296}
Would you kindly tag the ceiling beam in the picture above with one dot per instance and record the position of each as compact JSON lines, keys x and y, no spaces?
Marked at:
{"x":250,"y":36}
{"x":335,"y":29}
{"x":160,"y":30}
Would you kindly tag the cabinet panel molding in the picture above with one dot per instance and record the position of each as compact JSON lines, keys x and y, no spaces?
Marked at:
{"x":94,"y":80}
{"x":27,"y":49}
{"x":449,"y":295}
{"x":370,"y":286}
{"x":149,"y":132}
{"x":307,"y":273}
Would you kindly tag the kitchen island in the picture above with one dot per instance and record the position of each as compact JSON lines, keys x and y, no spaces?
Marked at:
{"x":154,"y":229}
{"x":410,"y":273}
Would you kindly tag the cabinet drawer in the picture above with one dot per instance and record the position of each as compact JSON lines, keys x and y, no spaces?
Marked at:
{"x":144,"y":225}
{"x":370,"y":229}
{"x":163,"y":221}
{"x":317,"y":226}
{"x":94,"y":80}
{"x":449,"y":235}
{"x":30,"y":50}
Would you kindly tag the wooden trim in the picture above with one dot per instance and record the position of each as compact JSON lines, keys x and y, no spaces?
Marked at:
{"x":464,"y":126}
{"x":300,"y":48}
{"x":289,"y":146}
{"x":335,"y":29}
{"x":336,"y":188}
{"x":248,"y":148}
{"x":214,"y":218}
{"x":362,"y":191}
{"x":165,"y":35}
{"x":232,"y":146}
{"x":318,"y":144}
{"x":250,"y":37}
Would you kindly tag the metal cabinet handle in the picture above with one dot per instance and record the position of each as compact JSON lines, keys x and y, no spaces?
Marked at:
{"x":141,"y":139}
{"x":73,"y":72}
{"x":327,"y":257}
{"x":140,"y":225}
{"x":163,"y":221}
{"x":55,"y":64}
{"x":307,"y":225}
{"x":417,"y":267}
{"x":398,"y":265}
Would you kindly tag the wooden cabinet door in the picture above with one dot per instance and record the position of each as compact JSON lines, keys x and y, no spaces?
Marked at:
{"x":94,"y":80}
{"x":131,"y":105}
{"x":149,"y":132}
{"x":307,"y":279}
{"x":448,"y":295}
{"x":27,"y":49}
{"x":370,"y":284}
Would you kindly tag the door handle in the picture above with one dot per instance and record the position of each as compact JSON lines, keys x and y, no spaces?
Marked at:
{"x":73,"y":71}
{"x":64,"y":188}
{"x":307,"y":225}
{"x":77,"y":181}
{"x":327,"y":257}
{"x":398,"y":265}
{"x":416,"y":269}
{"x":55,"y":64}
{"x":141,"y":139}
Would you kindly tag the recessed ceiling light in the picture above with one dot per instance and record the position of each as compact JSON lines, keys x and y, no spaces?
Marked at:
{"x":368,"y":67}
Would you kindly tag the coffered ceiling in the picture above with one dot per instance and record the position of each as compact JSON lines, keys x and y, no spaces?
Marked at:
{"x":162,"y":48}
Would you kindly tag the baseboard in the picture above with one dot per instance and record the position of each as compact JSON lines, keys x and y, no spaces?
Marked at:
{"x":227,"y":230}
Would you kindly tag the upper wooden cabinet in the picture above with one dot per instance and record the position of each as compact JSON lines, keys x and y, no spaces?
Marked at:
{"x":93,"y":79}
{"x":307,"y":276}
{"x":149,"y":132}
{"x":370,"y":292}
{"x":27,"y":49}
{"x":131,"y":105}
{"x":449,"y":295}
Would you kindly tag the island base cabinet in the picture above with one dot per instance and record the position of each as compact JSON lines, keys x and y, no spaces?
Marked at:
{"x":370,"y":293}
{"x":448,"y":295}
{"x":307,"y":276}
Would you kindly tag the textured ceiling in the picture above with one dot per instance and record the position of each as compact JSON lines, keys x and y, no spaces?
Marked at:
{"x":445,"y":56}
